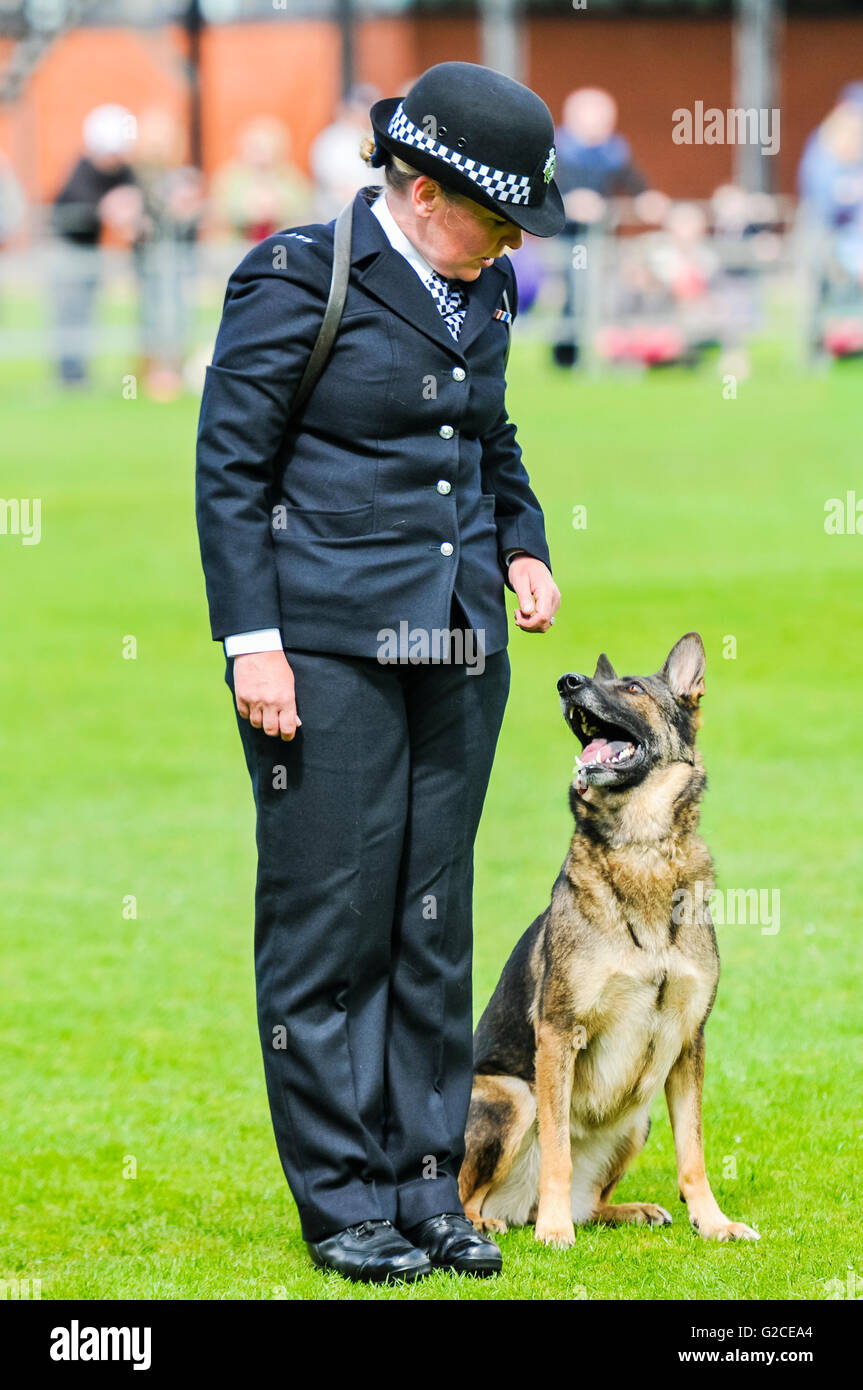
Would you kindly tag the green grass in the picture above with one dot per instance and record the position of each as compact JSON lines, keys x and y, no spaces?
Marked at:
{"x":137,"y":1036}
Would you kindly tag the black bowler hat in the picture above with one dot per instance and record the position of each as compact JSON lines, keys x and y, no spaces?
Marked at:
{"x":481,"y":134}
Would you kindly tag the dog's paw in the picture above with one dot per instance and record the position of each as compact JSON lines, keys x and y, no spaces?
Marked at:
{"x":487,"y":1223}
{"x":652,"y":1214}
{"x":726,"y":1230}
{"x":633,"y":1213}
{"x":558,"y":1234}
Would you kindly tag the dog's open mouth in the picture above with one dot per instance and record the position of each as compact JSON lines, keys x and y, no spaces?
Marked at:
{"x":603,"y":744}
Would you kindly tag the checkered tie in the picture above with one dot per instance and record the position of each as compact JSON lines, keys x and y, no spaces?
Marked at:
{"x":451,"y":302}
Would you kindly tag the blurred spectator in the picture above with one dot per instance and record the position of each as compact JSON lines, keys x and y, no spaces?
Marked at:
{"x":262,"y":190}
{"x":831,"y":169}
{"x":594,"y":164}
{"x":99,"y":192}
{"x":13,"y":205}
{"x":165,"y":250}
{"x":590,"y":153}
{"x":682,"y":258}
{"x":664,"y":295}
{"x":740,"y":224}
{"x":334,"y":158}
{"x":831,"y":177}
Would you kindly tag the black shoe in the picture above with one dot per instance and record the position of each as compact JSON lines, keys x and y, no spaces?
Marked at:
{"x":565,"y":354}
{"x":372,"y":1251}
{"x":452,"y":1242}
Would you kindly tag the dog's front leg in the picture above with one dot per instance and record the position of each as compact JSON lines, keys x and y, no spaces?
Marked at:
{"x":554,"y":1064}
{"x":683,"y":1093}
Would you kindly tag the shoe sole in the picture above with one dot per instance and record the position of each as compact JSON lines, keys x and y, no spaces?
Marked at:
{"x":481,"y":1270}
{"x":408,"y":1276}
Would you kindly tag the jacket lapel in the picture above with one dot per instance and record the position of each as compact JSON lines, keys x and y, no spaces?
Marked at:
{"x":390,"y":279}
{"x":383,"y":272}
{"x":484,"y":297}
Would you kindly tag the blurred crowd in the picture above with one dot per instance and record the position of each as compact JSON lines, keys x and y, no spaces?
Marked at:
{"x":669,"y":279}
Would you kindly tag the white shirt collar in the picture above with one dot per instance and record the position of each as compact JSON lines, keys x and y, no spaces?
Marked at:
{"x":399,"y":241}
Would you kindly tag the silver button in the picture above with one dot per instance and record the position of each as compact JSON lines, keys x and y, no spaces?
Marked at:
{"x":443,"y":486}
{"x":446,"y":548}
{"x":458,"y":373}
{"x":446,"y":431}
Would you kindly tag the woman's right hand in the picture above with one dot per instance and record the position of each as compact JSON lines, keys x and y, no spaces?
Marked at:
{"x":264,"y":691}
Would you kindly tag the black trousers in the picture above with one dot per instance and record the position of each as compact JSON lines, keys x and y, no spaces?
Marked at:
{"x":366,"y":823}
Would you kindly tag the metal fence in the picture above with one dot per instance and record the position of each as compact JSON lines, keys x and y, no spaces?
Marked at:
{"x":615,"y":294}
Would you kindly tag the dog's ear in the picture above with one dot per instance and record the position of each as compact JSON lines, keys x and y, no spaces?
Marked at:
{"x":604,"y":670}
{"x":684,"y":668}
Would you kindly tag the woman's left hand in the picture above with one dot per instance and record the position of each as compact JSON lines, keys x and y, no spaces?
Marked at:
{"x":538,"y":595}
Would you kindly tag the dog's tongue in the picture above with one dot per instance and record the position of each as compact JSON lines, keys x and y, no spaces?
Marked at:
{"x":593,"y":751}
{"x":599,"y":750}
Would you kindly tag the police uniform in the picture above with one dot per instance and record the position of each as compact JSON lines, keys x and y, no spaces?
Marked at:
{"x":384,"y":513}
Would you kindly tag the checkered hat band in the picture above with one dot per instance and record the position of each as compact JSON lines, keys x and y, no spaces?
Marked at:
{"x":506,"y":188}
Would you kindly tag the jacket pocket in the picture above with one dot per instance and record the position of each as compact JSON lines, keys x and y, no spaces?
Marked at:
{"x":304,"y":521}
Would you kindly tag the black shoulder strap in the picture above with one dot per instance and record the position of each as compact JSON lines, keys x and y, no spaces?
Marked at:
{"x":336,"y":303}
{"x":333,"y":312}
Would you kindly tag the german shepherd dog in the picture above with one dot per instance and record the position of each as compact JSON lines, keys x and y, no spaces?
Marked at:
{"x":605,"y":997}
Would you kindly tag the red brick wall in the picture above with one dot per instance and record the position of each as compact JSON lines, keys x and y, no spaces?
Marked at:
{"x":291,"y":70}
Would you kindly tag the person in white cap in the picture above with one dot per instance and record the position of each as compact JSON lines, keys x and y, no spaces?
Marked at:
{"x":99,"y":191}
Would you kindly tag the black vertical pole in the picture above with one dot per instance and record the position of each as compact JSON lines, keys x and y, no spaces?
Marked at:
{"x":345,"y":12}
{"x":194,"y":23}
{"x":756,"y":40}
{"x":502,"y":37}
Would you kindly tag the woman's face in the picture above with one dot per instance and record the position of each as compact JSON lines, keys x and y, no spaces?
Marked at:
{"x":458,"y":237}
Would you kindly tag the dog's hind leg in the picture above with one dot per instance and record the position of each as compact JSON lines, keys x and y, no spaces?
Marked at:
{"x":502,"y":1109}
{"x":626,"y":1213}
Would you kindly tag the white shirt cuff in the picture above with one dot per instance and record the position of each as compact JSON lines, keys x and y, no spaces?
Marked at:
{"x":265,"y":639}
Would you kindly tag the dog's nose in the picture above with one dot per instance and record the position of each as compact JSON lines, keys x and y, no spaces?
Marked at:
{"x":570,"y":683}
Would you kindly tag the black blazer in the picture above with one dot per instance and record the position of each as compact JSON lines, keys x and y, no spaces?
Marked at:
{"x":330,"y":526}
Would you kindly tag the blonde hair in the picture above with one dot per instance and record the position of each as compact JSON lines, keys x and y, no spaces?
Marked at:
{"x":398,"y":174}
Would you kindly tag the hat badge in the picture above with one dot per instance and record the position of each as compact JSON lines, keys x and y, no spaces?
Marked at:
{"x":548,"y":167}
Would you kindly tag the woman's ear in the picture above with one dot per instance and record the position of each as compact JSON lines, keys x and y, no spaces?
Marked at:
{"x":426,"y":195}
{"x":423,"y":195}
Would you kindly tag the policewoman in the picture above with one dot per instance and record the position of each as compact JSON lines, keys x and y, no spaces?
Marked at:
{"x":336,"y":542}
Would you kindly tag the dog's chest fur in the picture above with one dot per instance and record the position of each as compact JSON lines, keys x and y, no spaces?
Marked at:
{"x":637,"y":1006}
{"x":633,"y":977}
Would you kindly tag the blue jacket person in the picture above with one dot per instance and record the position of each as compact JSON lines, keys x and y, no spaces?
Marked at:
{"x":336,"y":544}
